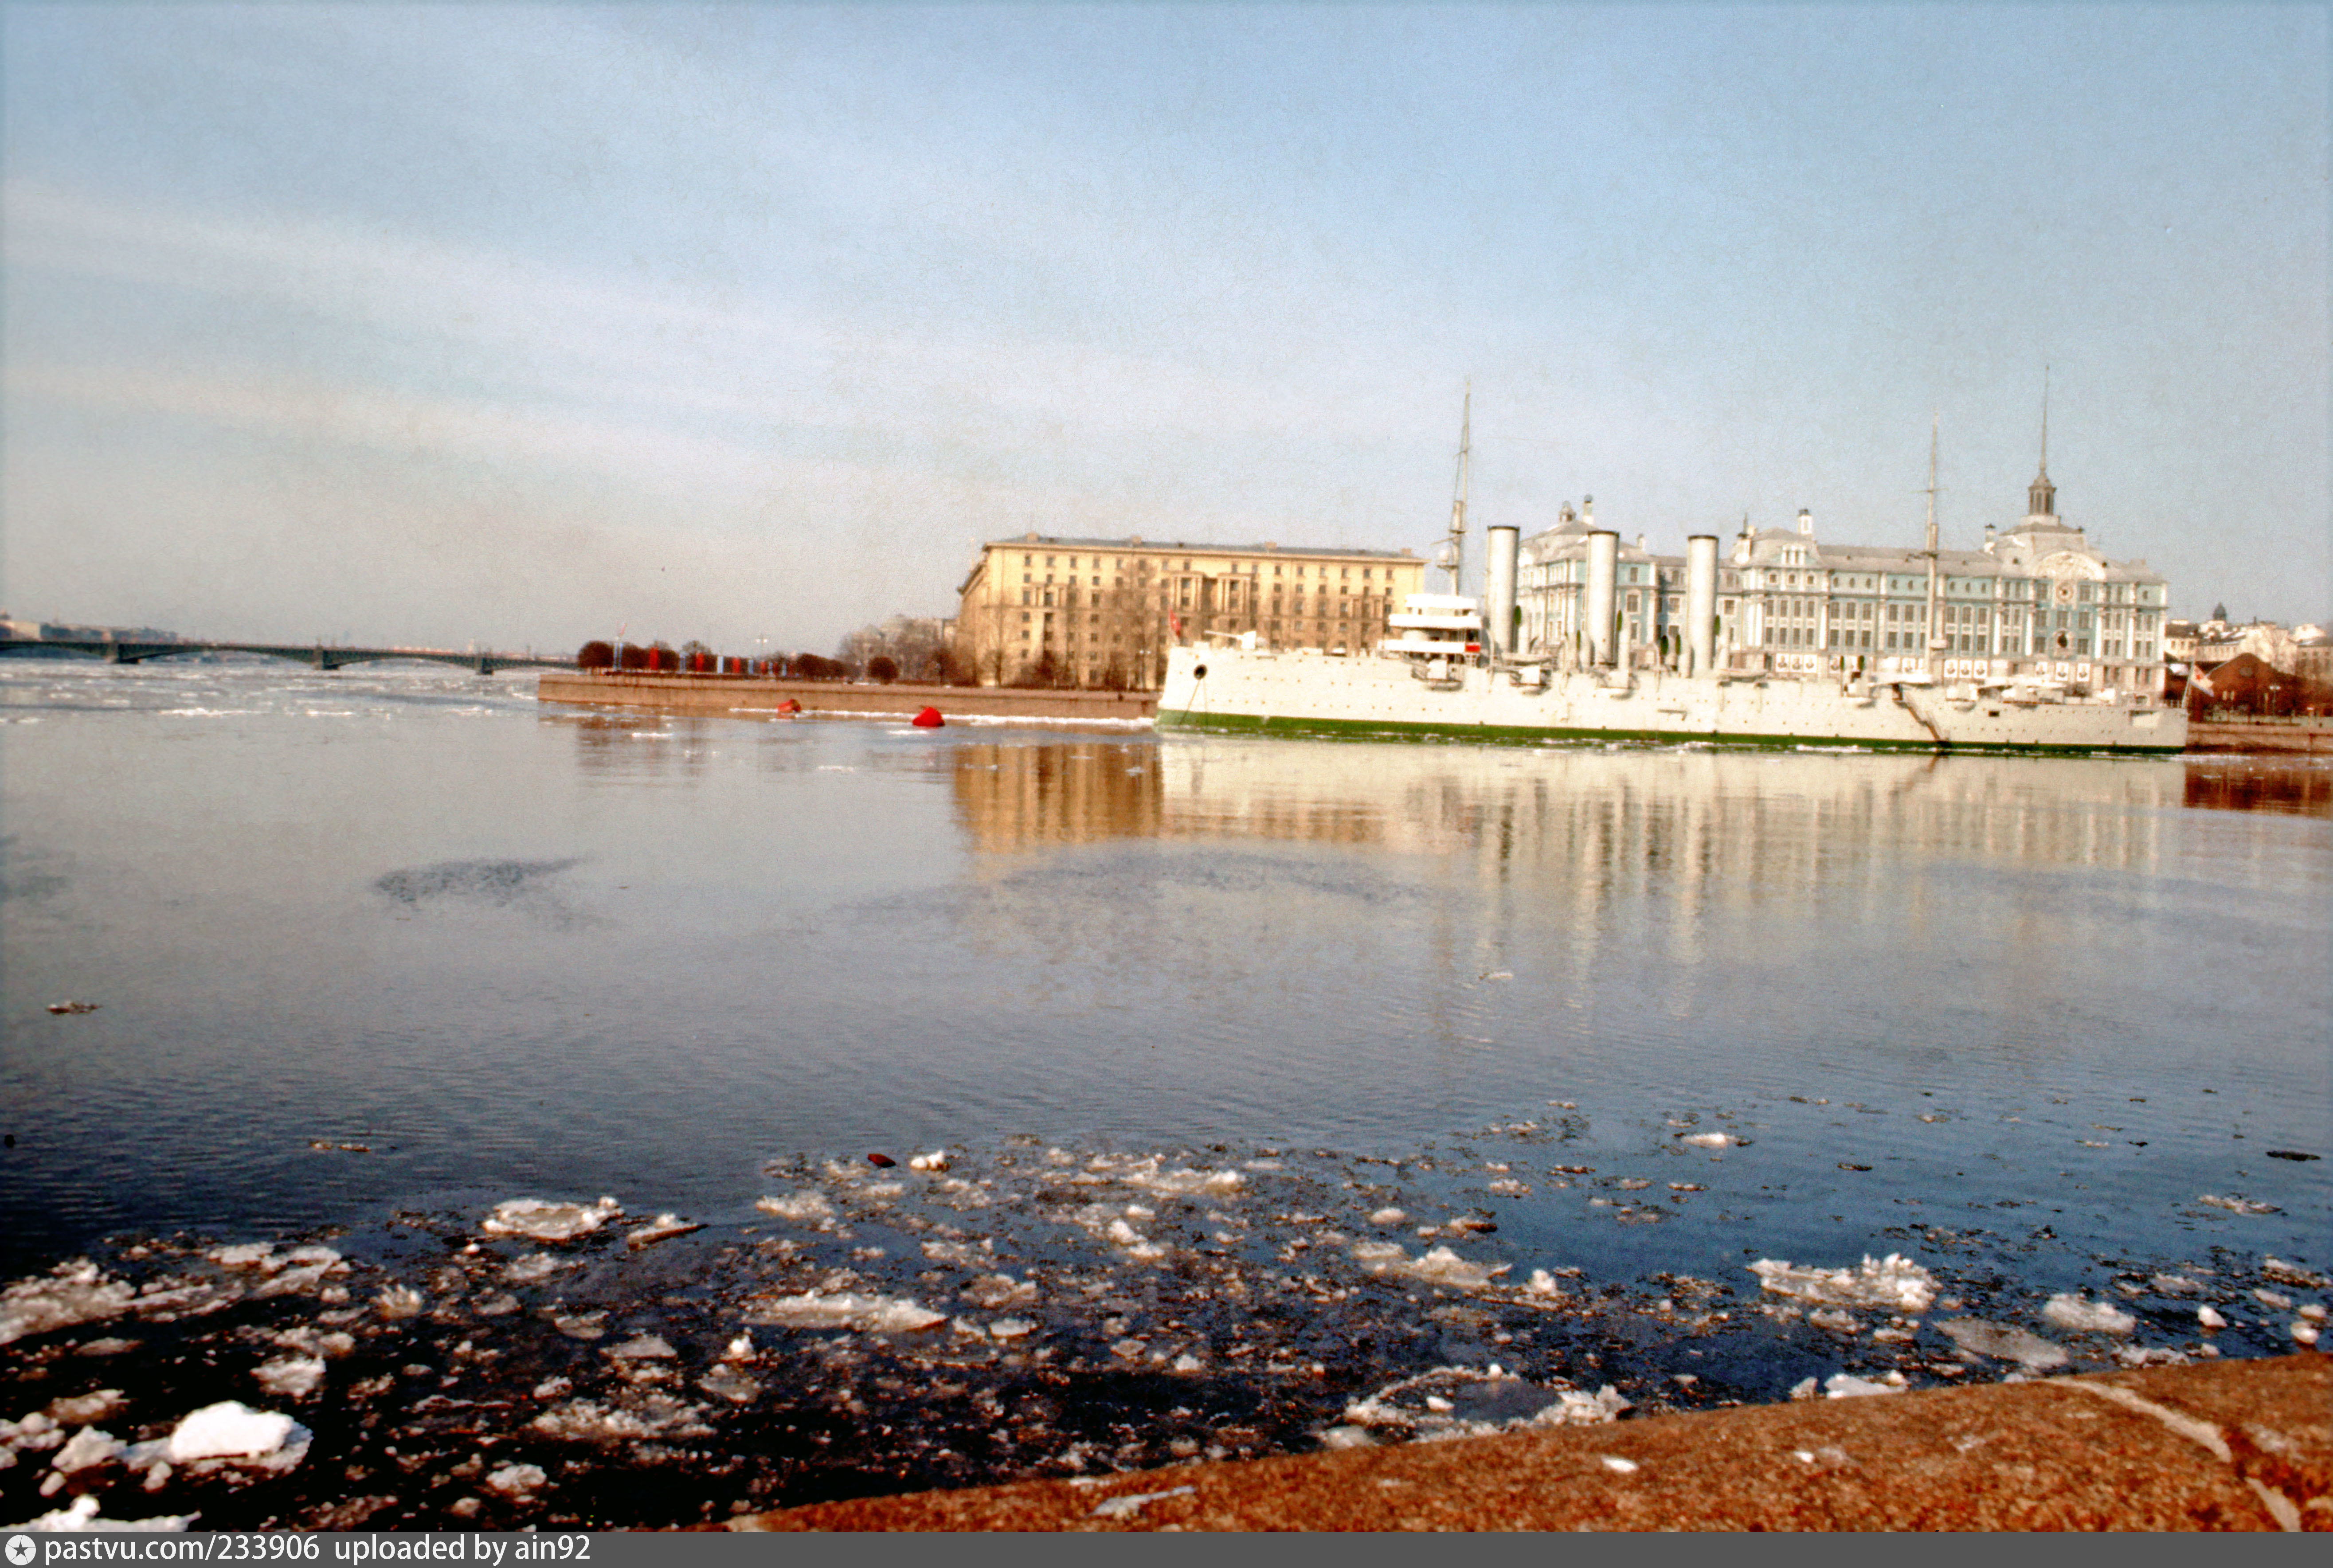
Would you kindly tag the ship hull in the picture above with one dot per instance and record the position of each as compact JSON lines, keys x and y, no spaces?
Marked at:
{"x":1307,"y":694}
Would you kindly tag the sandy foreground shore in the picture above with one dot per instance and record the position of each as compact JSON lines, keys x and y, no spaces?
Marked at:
{"x":2223,"y":1446}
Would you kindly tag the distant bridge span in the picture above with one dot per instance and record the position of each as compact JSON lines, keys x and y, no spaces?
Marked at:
{"x":317,"y":655}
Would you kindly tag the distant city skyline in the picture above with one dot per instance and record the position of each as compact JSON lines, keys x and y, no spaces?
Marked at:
{"x":458,"y":323}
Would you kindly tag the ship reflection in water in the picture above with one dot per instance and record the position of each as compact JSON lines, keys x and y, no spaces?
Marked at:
{"x":1703,"y":814}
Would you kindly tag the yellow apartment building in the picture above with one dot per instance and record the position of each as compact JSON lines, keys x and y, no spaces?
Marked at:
{"x":1102,"y":612}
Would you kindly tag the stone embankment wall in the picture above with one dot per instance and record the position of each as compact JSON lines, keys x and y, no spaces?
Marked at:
{"x":2309,"y":735}
{"x":748,"y":695}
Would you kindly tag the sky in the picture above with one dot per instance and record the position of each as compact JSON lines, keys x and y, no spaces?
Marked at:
{"x":518,"y":326}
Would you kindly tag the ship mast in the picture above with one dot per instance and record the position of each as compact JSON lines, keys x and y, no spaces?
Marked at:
{"x":1934,"y":631}
{"x":1453,"y":555}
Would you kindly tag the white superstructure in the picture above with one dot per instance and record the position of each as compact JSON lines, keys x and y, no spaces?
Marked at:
{"x":1447,"y":669}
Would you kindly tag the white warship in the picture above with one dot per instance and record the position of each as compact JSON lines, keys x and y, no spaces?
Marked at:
{"x":1451,"y":670}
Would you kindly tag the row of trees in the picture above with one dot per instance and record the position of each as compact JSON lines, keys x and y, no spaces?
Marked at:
{"x":697,"y":658}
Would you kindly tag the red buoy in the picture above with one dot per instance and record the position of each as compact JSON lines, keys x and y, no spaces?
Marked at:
{"x":930,"y":719}
{"x":790,"y":707}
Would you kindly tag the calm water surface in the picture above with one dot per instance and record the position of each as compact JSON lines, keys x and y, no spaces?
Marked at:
{"x":508,"y":946}
{"x":512,"y":949}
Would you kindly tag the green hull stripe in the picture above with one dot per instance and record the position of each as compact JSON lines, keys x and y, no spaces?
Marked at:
{"x":1520,"y":735}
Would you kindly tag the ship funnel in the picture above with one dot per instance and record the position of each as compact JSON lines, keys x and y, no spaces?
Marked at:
{"x":1499,"y":589}
{"x":1700,"y":603}
{"x":1603,"y":575}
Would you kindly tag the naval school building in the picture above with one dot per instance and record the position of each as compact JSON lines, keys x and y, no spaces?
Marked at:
{"x":2036,"y":600}
{"x":1042,"y":610}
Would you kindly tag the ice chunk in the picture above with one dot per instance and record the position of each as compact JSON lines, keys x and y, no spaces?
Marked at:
{"x":290,"y":1377}
{"x":89,"y":1446}
{"x":1347,"y":1437}
{"x":1438,"y":1266}
{"x":2234,"y":1205}
{"x":399,"y":1301}
{"x":1895,"y":1282}
{"x":843,"y":1309}
{"x":805,"y":1208}
{"x":517,"y":1480}
{"x":1390,"y":1216}
{"x":1711,"y":1140}
{"x":83,"y":1516}
{"x":537,"y":1265}
{"x":248,"y":1255}
{"x":643,"y":1347}
{"x":1846,"y":1386}
{"x":83,"y":1408}
{"x":661,"y":1228}
{"x":1472,"y":1401}
{"x":937,"y":1159}
{"x":2210,"y":1319}
{"x":542,"y":1220}
{"x":1011,"y":1328}
{"x":727,"y":1382}
{"x":231,"y":1432}
{"x":1542,"y":1283}
{"x":2071,"y":1312}
{"x":2004,"y":1342}
{"x":996,"y":1291}
{"x":1618,"y":1466}
{"x":590,"y":1421}
{"x":2277,"y":1268}
{"x":71,"y":1292}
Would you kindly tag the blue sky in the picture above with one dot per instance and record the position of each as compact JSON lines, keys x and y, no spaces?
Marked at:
{"x":518,"y":324}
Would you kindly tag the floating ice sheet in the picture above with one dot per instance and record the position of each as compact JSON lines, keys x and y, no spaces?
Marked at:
{"x":2004,"y":1342}
{"x":543,"y":1221}
{"x":2080,"y":1316}
{"x":843,"y":1309}
{"x":83,"y":1516}
{"x":1893,"y":1282}
{"x":72,"y":1292}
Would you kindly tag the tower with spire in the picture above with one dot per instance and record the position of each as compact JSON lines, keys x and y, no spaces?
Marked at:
{"x":2042,"y":496}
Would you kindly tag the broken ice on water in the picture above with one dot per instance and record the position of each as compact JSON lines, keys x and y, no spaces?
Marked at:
{"x":977,"y":1314}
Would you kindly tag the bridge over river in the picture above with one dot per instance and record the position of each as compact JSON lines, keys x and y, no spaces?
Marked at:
{"x":319,"y":656}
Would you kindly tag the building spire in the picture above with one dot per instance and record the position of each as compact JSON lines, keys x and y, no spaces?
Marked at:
{"x":2042,"y":496}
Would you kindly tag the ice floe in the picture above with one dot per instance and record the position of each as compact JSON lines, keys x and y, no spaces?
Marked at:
{"x":72,"y":1292}
{"x":88,"y":1448}
{"x":1438,"y":1265}
{"x":1893,"y":1282}
{"x":2004,"y":1342}
{"x":1848,"y":1386}
{"x":1475,"y":1401}
{"x":805,"y":1208}
{"x":229,"y":1434}
{"x":843,"y":1309}
{"x":543,"y":1221}
{"x":2080,"y":1316}
{"x":663,"y":1227}
{"x":290,"y":1377}
{"x":2234,"y":1205}
{"x":83,"y":1515}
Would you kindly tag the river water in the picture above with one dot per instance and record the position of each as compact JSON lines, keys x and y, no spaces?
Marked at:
{"x":2014,"y":1019}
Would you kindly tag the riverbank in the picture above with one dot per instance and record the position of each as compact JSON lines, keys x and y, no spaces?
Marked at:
{"x":2228,"y":1446}
{"x":2311,"y":737}
{"x":749,"y":696}
{"x":754,"y":695}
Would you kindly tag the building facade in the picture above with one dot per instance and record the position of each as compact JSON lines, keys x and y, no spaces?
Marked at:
{"x":2036,"y":600}
{"x":1103,"y":612}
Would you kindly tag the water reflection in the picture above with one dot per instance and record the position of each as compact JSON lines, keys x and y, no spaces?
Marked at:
{"x":1602,"y":819}
{"x":2304,"y":787}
